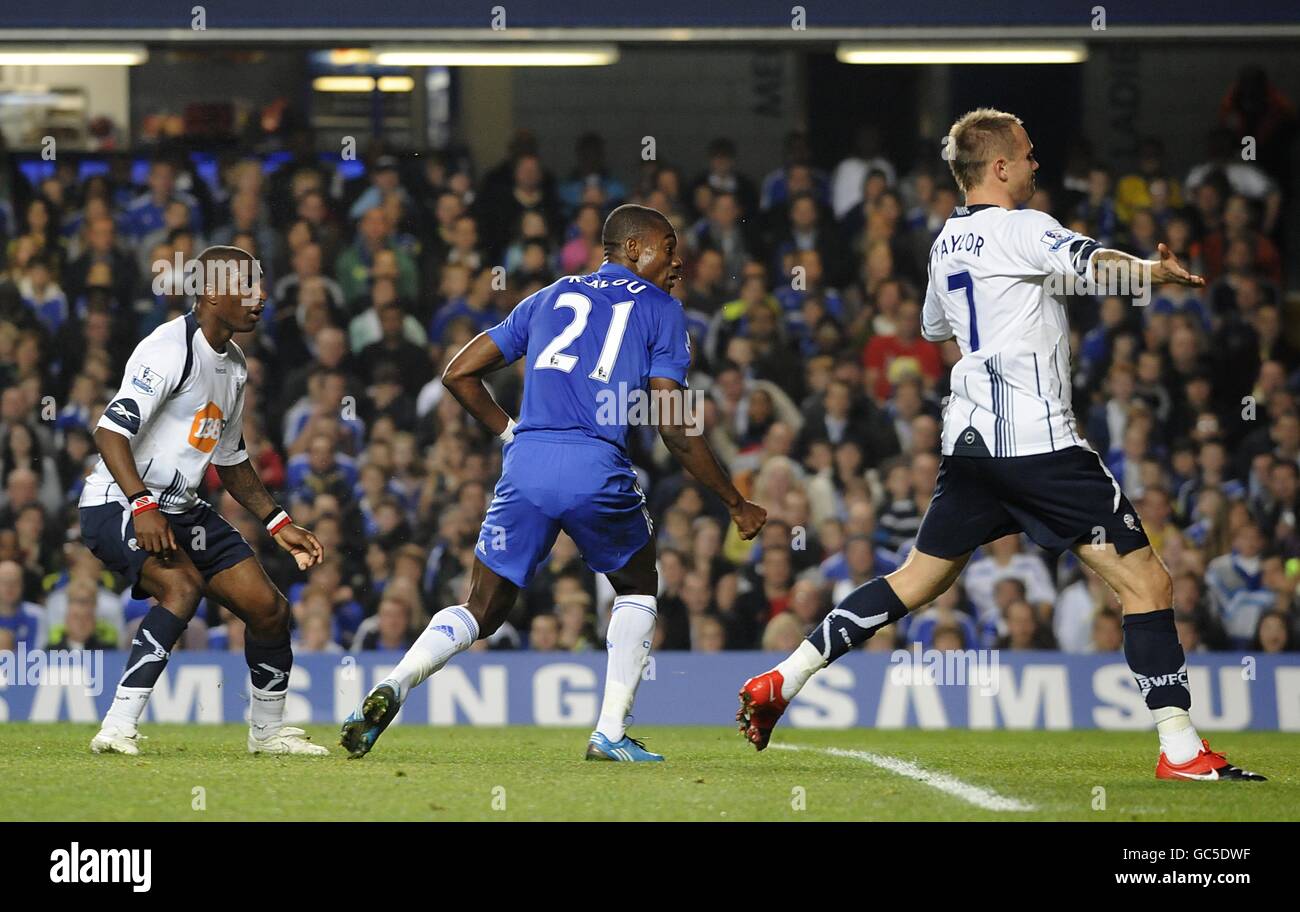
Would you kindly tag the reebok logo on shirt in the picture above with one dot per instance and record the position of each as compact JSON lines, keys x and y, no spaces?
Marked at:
{"x":124,"y":413}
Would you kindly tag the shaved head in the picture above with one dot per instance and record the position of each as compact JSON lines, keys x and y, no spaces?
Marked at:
{"x":631,"y":221}
{"x":222,"y":254}
{"x":643,"y":240}
{"x":232,"y":289}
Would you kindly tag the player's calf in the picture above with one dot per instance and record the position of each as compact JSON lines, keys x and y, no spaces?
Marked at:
{"x":150,"y":649}
{"x":627,"y":640}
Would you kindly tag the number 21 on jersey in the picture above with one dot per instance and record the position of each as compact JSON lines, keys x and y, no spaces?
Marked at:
{"x":553,"y":356}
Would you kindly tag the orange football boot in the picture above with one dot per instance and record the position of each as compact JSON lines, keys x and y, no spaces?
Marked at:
{"x":1207,"y":766}
{"x":761,"y":705}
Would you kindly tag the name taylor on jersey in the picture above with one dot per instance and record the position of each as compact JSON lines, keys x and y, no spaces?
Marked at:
{"x":948,"y":244}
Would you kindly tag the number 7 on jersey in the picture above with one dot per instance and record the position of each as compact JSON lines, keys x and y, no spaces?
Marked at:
{"x":962,"y":280}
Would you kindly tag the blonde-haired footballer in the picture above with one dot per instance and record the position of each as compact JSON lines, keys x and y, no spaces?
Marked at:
{"x":1013,"y":461}
{"x":179,"y":409}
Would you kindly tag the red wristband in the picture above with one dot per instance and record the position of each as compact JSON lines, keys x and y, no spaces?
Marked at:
{"x":143,"y":504}
{"x":277,"y":522}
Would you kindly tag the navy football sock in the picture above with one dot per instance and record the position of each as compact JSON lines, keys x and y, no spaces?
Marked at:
{"x":269,"y":662}
{"x":151,"y":646}
{"x":852,"y":622}
{"x":1156,"y":659}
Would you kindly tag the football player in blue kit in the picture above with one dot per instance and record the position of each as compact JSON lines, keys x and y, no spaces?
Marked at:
{"x":602,"y":351}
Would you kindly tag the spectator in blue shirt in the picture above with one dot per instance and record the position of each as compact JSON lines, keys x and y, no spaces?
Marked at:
{"x":146,"y":212}
{"x":23,"y":619}
{"x":321,"y":470}
{"x":1235,"y":581}
{"x":590,"y":172}
{"x":41,"y":294}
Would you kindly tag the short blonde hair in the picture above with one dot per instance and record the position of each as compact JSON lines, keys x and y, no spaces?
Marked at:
{"x":974,"y":140}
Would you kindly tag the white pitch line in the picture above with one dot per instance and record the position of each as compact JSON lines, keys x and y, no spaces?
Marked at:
{"x":949,"y":785}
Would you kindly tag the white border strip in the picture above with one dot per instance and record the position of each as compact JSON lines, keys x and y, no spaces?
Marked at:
{"x":949,"y":785}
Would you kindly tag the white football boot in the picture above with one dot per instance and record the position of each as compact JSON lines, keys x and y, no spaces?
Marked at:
{"x":113,"y":740}
{"x":287,"y":740}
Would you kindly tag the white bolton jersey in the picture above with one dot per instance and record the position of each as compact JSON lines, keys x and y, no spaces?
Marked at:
{"x":181,"y":405}
{"x":989,"y":289}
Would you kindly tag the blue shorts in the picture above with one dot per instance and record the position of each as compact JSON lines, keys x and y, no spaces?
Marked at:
{"x":108,"y":530}
{"x":556,"y":481}
{"x":1058,"y":499}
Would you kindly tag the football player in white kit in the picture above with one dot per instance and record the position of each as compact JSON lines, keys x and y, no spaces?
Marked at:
{"x":1013,"y":460}
{"x":179,"y":409}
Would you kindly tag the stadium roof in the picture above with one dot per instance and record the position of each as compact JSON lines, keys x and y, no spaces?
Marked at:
{"x":307,"y":21}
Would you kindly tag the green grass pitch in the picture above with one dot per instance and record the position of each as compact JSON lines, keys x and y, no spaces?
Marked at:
{"x":503,"y":774}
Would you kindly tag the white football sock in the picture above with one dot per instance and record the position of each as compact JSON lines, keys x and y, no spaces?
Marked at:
{"x":265,"y":711}
{"x":1178,"y":737}
{"x":798,"y":668}
{"x":631,"y":630}
{"x":450,"y":631}
{"x":128,"y":706}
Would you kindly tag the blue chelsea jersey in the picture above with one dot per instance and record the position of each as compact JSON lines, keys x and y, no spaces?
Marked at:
{"x":592,"y":343}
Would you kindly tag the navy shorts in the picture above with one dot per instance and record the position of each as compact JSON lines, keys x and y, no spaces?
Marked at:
{"x":1058,"y":499}
{"x":108,"y":530}
{"x":551,"y":482}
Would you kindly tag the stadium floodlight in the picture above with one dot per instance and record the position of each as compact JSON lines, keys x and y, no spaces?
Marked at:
{"x":886,"y":53}
{"x":498,"y":55}
{"x":348,"y":83}
{"x":343,"y":84}
{"x":395,"y":84}
{"x":101,"y":55}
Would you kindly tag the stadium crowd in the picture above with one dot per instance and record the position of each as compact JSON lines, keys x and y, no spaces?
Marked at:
{"x":803,"y":295}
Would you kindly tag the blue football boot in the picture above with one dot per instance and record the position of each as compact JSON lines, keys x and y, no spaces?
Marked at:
{"x":362,"y":729}
{"x":625,"y":750}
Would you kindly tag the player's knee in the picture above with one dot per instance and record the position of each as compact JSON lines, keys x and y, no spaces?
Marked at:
{"x":488,"y":618}
{"x":269,"y":616}
{"x":917,"y":585}
{"x":629,"y":581}
{"x":487,"y":615}
{"x":1150,"y":590}
{"x":181,"y":593}
{"x":1160,"y":588}
{"x":280,"y":613}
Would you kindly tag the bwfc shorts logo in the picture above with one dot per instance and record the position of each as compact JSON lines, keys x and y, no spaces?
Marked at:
{"x":146,"y":380}
{"x":1130,"y":521}
{"x":1057,"y":238}
{"x":125,"y":414}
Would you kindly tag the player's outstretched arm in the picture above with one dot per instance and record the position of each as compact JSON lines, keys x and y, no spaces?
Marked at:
{"x":1164,"y":271}
{"x":153,"y":533}
{"x":688,"y":446}
{"x":245,"y":485}
{"x":464,"y":380}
